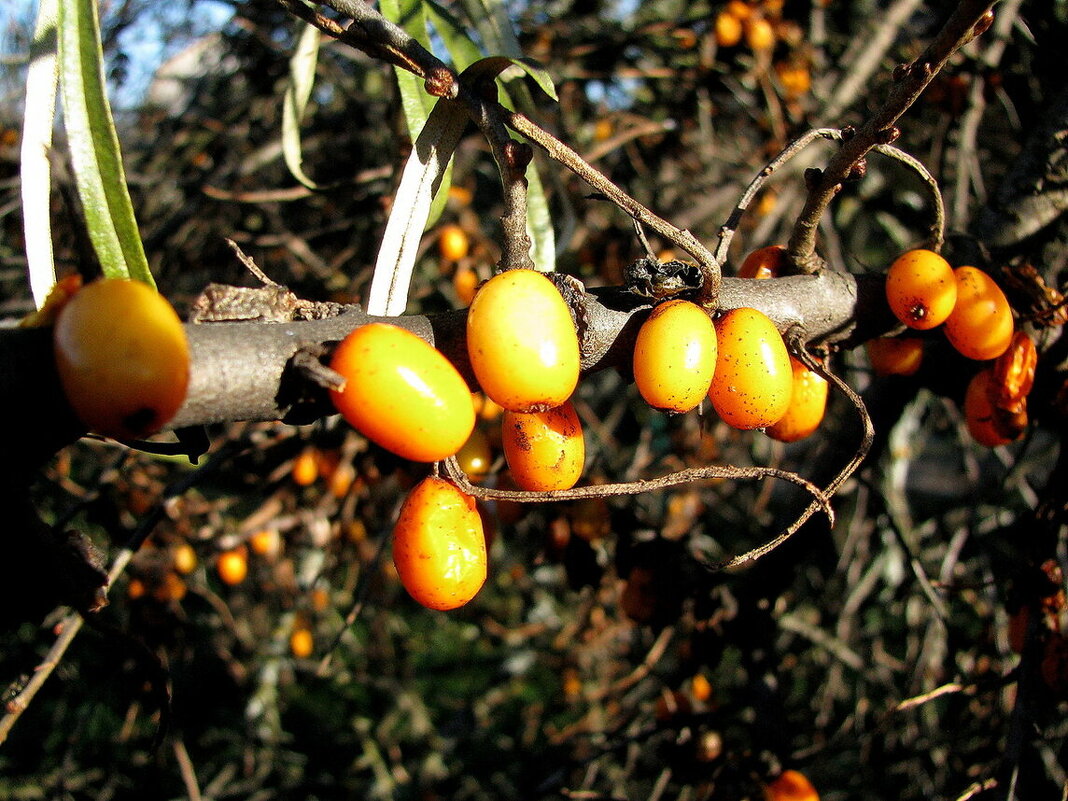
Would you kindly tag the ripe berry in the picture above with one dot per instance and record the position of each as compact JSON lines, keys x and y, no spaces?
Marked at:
{"x":895,"y":355}
{"x":1014,"y":372}
{"x":522,"y":342}
{"x":675,"y":356}
{"x":184,"y":558}
{"x":980,"y":326}
{"x":759,"y":34}
{"x":475,"y":456}
{"x":808,"y":401}
{"x":979,"y":412}
{"x":465,"y":282}
{"x":769,"y":262}
{"x":921,"y":289}
{"x":122,"y":357}
{"x":753,"y":379}
{"x":402,"y":393}
{"x":301,"y":642}
{"x":545,"y":450}
{"x":232,"y":566}
{"x":453,"y":243}
{"x":791,"y":785}
{"x":438,"y":545}
{"x":728,"y":29}
{"x":305,"y":467}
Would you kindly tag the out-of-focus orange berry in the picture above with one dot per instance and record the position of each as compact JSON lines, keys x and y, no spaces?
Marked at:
{"x":980,"y":326}
{"x":135,"y":589}
{"x":453,"y":243}
{"x":305,"y":467}
{"x":700,"y":687}
{"x":266,"y":542}
{"x":460,"y":195}
{"x":301,"y":642}
{"x":184,"y":558}
{"x":796,"y":79}
{"x":603,"y":129}
{"x":171,"y":588}
{"x":759,"y":34}
{"x":895,"y":355}
{"x":232,"y":566}
{"x":921,"y":289}
{"x":791,"y":785}
{"x":475,"y":456}
{"x":341,"y":479}
{"x":728,"y":29}
{"x":465,"y":282}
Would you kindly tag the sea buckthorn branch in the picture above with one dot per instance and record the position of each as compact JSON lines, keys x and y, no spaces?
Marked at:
{"x":561,"y":153}
{"x":867,"y":437}
{"x":970,"y":19}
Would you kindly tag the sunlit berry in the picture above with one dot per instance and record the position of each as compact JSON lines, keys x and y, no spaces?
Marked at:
{"x":475,"y":457}
{"x":921,"y":289}
{"x":232,"y":566}
{"x":402,"y":393}
{"x":791,"y":785}
{"x":759,"y":34}
{"x":305,"y":467}
{"x":675,"y":356}
{"x":184,"y":558}
{"x":122,"y":357}
{"x":544,"y":450}
{"x":453,"y":242}
{"x":522,"y":342}
{"x":753,"y":379}
{"x":301,"y":642}
{"x":980,"y":326}
{"x":979,"y":412}
{"x":728,"y":29}
{"x":808,"y":402}
{"x":439,"y":547}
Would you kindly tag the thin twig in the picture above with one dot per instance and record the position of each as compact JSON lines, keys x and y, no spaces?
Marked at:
{"x":963,"y":25}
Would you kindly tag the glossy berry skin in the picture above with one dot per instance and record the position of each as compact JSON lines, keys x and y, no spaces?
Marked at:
{"x":769,"y":262}
{"x":895,"y":355}
{"x":301,"y":643}
{"x":1014,"y":372}
{"x":808,"y":402}
{"x":753,"y":379}
{"x":122,"y":357}
{"x":439,"y":547}
{"x":545,"y":450}
{"x":921,"y":289}
{"x":232,"y":566}
{"x":980,"y":326}
{"x":475,"y":457}
{"x":522,"y":342}
{"x":675,"y":356}
{"x":402,"y":393}
{"x":979,"y":412}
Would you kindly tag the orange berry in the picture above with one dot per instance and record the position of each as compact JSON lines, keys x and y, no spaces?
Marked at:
{"x":122,"y":357}
{"x":460,"y":195}
{"x":796,"y":80}
{"x":675,"y":356}
{"x":170,"y":588}
{"x":305,"y":468}
{"x":341,"y":480}
{"x":979,"y":411}
{"x":753,"y":379}
{"x":1014,"y":372}
{"x":700,"y":687}
{"x":184,"y":558}
{"x":522,"y":342}
{"x":402,"y":393}
{"x":740,"y":9}
{"x":439,"y":548}
{"x":545,"y":450}
{"x":301,"y":642}
{"x":465,"y":282}
{"x":895,"y":356}
{"x":728,"y":29}
{"x":759,"y":34}
{"x":135,"y":589}
{"x":808,"y":402}
{"x":453,"y":243}
{"x":980,"y":326}
{"x":266,"y":542}
{"x":603,"y":129}
{"x":769,"y":262}
{"x":232,"y":566}
{"x":475,"y":456}
{"x":921,"y":289}
{"x":791,"y":785}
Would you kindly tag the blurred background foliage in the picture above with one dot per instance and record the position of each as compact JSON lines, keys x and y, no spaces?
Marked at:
{"x":601,"y":660}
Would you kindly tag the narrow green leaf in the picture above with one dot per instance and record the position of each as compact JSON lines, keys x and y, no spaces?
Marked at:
{"x":463,"y":51}
{"x":301,"y":79}
{"x":94,"y":145}
{"x":42,"y":80}
{"x":421,"y":178}
{"x":415,"y":102}
{"x":495,"y":65}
